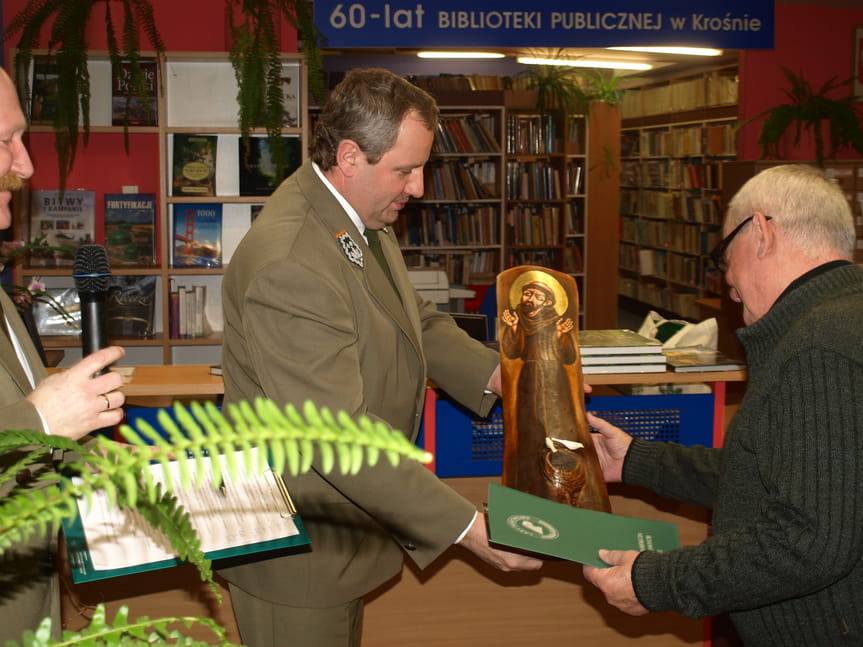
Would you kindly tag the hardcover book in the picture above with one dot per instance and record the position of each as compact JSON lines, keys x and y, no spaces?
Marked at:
{"x":257,"y":168}
{"x":696,"y":359}
{"x":616,"y":342}
{"x":197,"y":235}
{"x":134,"y":110}
{"x":43,"y":99}
{"x":65,"y":221}
{"x":130,"y":305}
{"x":194,"y":165}
{"x":130,"y":223}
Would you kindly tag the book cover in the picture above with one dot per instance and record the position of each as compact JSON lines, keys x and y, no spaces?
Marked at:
{"x":197,"y":235}
{"x":695,"y":359}
{"x":134,"y":110}
{"x":623,"y":358}
{"x":616,"y":341}
{"x":43,"y":90}
{"x":65,"y":221}
{"x":194,"y":165}
{"x":130,"y":305}
{"x":291,"y":95}
{"x":539,"y":525}
{"x":255,"y":514}
{"x":257,"y":168}
{"x":130,"y":223}
{"x":614,"y":369}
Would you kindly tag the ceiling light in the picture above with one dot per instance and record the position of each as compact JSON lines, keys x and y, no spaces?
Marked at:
{"x":688,"y":51}
{"x":583,"y":62}
{"x":460,"y":55}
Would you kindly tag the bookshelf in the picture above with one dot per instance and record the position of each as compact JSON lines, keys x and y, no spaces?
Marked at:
{"x":674,"y":142}
{"x":197,"y":96}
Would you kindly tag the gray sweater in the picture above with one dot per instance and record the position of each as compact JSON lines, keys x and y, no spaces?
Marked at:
{"x":785,"y":556}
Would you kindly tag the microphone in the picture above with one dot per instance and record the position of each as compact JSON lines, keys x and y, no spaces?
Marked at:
{"x":91,"y":273}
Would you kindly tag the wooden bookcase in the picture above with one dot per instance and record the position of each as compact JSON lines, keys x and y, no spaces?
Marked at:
{"x":671,"y":202}
{"x":197,"y":95}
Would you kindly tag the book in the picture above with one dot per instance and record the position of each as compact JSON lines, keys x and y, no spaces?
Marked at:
{"x":612,"y":369}
{"x":194,"y":165}
{"x":253,"y":514}
{"x":130,"y":223}
{"x":539,"y":525}
{"x":65,"y":220}
{"x":215,"y":369}
{"x":257,"y":168}
{"x":616,"y":341}
{"x":43,"y":90}
{"x":197,"y":235}
{"x":291,"y":95}
{"x":127,"y":107}
{"x":696,"y":359}
{"x":130,"y":305}
{"x":647,"y":358}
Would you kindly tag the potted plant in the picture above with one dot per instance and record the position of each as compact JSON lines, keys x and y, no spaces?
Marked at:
{"x":809,"y":111}
{"x":288,"y":437}
{"x":68,"y":48}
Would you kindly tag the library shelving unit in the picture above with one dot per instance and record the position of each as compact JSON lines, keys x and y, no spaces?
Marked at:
{"x":197,"y":95}
{"x":507,"y":185}
{"x":674,"y":142}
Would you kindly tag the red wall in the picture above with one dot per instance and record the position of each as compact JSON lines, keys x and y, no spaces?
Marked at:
{"x":816,"y":40}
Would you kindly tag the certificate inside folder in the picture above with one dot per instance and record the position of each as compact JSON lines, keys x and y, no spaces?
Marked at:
{"x":251,"y":514}
{"x":542,"y":526}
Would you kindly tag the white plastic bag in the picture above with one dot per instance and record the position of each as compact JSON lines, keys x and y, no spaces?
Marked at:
{"x":676,"y":333}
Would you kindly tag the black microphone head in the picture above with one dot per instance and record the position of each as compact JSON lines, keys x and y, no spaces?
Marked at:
{"x":91,"y":270}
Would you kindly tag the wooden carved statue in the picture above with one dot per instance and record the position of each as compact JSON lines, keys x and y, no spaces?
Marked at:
{"x":548,"y":450}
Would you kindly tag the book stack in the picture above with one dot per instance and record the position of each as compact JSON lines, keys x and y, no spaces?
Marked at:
{"x":619,"y":351}
{"x":696,"y":359}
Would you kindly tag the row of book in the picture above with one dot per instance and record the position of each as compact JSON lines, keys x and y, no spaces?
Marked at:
{"x":460,"y":181}
{"x":626,"y":351}
{"x":533,"y":225}
{"x":531,"y":135}
{"x":472,"y":133}
{"x":696,"y":206}
{"x":538,"y":180}
{"x":187,"y":315}
{"x":449,"y":225}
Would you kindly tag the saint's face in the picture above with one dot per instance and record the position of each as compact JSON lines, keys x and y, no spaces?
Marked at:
{"x":381,"y":190}
{"x":532,"y":301}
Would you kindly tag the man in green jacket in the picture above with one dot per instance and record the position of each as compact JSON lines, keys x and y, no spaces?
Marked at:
{"x":785,"y":557}
{"x":71,"y":404}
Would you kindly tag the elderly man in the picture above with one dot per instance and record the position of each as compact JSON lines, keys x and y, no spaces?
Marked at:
{"x":71,"y":403}
{"x":785,"y":557}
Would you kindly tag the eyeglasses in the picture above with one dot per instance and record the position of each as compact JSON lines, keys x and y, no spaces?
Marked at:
{"x":718,"y":253}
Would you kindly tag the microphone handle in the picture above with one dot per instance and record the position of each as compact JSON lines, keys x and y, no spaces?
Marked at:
{"x":93,"y":331}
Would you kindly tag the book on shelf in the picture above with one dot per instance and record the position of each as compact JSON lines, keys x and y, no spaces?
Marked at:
{"x":696,"y":359}
{"x":197,"y":236}
{"x":291,"y":95}
{"x":188,"y":317}
{"x":194,"y":165}
{"x":127,"y":107}
{"x":215,"y":369}
{"x":617,"y":341}
{"x":43,"y":90}
{"x":613,"y":369}
{"x":608,"y":360}
{"x":252,"y":514}
{"x":257,"y":168}
{"x":65,"y":220}
{"x":130,"y":224}
{"x":130,"y":305}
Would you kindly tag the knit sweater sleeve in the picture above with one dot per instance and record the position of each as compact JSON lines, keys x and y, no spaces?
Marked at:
{"x":794,"y":476}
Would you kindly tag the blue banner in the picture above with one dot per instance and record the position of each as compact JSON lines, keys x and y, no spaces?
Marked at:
{"x":723,"y":24}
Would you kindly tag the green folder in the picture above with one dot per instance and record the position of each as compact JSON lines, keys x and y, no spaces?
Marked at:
{"x":538,"y":525}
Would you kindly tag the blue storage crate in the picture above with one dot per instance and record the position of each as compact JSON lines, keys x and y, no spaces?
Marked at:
{"x":467,"y":445}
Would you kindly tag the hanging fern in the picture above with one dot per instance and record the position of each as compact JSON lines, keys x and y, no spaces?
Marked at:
{"x":69,"y":48}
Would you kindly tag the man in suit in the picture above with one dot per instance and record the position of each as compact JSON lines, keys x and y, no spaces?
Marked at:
{"x":310,"y":314}
{"x":70,"y":403}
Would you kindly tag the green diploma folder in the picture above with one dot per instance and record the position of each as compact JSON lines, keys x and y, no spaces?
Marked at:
{"x":538,"y":525}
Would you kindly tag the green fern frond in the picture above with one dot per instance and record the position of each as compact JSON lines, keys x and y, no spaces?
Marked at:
{"x":121,"y":631}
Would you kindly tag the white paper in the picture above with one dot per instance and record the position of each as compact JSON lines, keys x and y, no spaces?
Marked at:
{"x":247,"y":511}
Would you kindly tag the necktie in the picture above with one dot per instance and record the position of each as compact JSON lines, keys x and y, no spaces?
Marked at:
{"x":378,"y":253}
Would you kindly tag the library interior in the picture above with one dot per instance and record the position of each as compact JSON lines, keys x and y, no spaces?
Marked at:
{"x":621,"y":184}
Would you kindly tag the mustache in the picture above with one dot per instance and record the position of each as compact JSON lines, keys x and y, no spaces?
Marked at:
{"x":11,"y":182}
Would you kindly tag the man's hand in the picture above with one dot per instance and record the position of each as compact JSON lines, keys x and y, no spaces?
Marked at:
{"x":616,"y":582}
{"x":476,"y":541}
{"x":74,"y":403}
{"x":611,"y":445}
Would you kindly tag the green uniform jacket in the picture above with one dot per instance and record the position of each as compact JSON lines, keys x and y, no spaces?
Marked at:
{"x":309,"y":315}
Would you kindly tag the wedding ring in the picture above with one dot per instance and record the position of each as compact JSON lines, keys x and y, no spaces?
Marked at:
{"x":107,"y":402}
